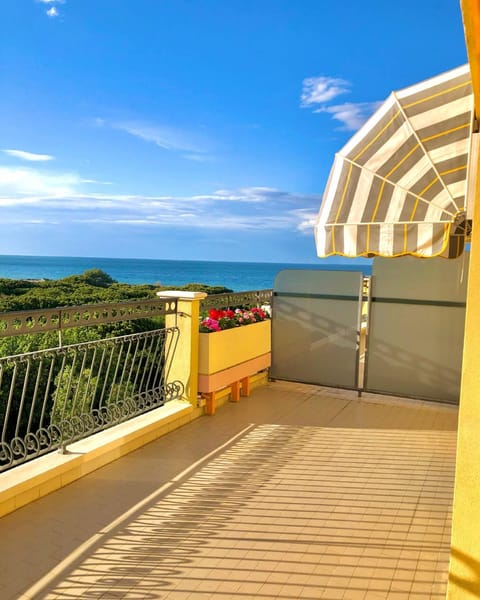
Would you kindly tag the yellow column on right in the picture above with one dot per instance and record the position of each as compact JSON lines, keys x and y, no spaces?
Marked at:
{"x":464,"y":575}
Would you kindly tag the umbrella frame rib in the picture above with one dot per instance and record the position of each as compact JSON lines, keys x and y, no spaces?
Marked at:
{"x":350,"y":161}
{"x":427,"y":154}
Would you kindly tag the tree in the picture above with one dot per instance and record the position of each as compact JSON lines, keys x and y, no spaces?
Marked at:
{"x":98,"y":278}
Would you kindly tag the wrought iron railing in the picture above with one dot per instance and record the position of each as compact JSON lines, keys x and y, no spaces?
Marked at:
{"x":237,"y":299}
{"x":50,"y":398}
{"x":66,"y":317}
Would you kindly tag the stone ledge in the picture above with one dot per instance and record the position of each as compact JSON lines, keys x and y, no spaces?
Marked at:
{"x":30,"y":481}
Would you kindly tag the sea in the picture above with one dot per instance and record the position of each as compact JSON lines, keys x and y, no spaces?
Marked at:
{"x":238,"y":276}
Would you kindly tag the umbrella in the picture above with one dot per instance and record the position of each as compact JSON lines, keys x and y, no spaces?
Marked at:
{"x":399,"y":186}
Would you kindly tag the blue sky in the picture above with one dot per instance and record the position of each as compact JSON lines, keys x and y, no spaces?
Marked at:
{"x":200,"y":129}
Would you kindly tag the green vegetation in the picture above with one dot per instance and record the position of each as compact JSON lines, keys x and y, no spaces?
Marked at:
{"x":88,"y":383}
{"x":91,"y":287}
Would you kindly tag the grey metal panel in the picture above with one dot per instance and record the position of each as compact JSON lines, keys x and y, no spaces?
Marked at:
{"x":416,"y":327}
{"x":314,"y":338}
{"x":423,"y":279}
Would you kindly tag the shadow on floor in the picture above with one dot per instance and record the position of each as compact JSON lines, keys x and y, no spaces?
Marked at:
{"x":303,"y":492}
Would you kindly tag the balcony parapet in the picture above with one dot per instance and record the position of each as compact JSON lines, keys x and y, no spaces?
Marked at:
{"x":93,"y":392}
{"x":52,"y":397}
{"x":247,"y":299}
{"x":29,"y":481}
{"x":87,"y":315}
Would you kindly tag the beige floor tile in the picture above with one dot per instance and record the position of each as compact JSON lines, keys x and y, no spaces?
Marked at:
{"x":327,"y":496}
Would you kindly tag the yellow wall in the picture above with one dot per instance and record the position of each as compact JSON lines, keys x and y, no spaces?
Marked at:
{"x":464,"y":576}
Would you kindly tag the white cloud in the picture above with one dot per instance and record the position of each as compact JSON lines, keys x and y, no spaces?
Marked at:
{"x":35,"y":194}
{"x":52,"y":12}
{"x":352,"y":115}
{"x":248,"y":194}
{"x":95,"y":181}
{"x":317,"y":90}
{"x":219,"y":222}
{"x":190,"y":145}
{"x":21,"y":181}
{"x":168,"y":138}
{"x":30,"y":156}
{"x":198,"y":157}
{"x":306,"y":220}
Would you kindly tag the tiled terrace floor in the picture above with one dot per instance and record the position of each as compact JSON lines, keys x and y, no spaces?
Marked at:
{"x":295,"y":492}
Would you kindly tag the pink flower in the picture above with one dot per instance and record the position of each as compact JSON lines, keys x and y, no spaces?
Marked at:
{"x":211,"y":324}
{"x":219,"y":320}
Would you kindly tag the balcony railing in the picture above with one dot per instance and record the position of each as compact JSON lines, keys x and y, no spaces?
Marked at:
{"x":237,"y":299}
{"x":52,"y":397}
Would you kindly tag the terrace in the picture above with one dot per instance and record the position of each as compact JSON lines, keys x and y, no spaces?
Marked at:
{"x":296,"y":491}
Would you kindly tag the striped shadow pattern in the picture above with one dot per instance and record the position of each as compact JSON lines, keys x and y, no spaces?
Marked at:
{"x":399,"y":186}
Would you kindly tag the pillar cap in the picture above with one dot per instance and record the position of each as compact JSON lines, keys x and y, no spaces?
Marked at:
{"x":182,"y":295}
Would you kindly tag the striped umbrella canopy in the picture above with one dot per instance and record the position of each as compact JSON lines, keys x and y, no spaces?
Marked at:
{"x":399,"y":186}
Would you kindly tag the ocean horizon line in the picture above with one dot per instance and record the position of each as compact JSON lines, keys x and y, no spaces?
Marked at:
{"x":332,"y":259}
{"x":235,"y":275}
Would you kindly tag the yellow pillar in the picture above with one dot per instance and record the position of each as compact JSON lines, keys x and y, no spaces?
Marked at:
{"x":471,"y":24}
{"x":184,"y":366}
{"x":464,"y":576}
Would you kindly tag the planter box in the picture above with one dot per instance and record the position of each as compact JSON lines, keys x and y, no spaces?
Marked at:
{"x":229,"y":356}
